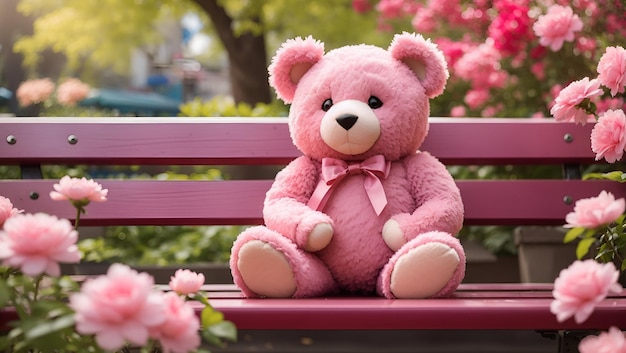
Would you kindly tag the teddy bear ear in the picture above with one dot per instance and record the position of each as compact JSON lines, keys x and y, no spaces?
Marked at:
{"x":292,"y":60}
{"x":424,"y":59}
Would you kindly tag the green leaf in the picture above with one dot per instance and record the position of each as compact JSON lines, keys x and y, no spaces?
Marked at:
{"x":225,"y":330}
{"x":210,"y":317}
{"x":201,"y":298}
{"x":573,"y":234}
{"x":583,"y":247}
{"x":4,"y":343}
{"x":58,"y":324}
{"x":211,"y":338}
{"x":5,"y":293}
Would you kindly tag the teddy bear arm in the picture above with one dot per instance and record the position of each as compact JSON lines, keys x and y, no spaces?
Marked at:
{"x":286,"y":211}
{"x":440,"y":207}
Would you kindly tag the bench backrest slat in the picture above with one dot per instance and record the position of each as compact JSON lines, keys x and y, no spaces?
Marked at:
{"x":141,"y":202}
{"x":186,"y":141}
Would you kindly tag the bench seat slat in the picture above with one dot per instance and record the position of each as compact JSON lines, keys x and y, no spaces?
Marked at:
{"x":517,"y":312}
{"x":239,"y":202}
{"x":520,"y":309}
{"x":267,"y":141}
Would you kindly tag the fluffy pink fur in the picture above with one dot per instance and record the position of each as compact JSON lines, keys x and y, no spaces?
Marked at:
{"x":422,"y":196}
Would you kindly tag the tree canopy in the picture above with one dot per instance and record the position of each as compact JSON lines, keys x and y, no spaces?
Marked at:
{"x":103,"y":33}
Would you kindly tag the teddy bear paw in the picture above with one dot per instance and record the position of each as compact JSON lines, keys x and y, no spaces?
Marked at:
{"x":392,"y":235}
{"x":424,"y":271}
{"x":265,"y":270}
{"x":320,"y":237}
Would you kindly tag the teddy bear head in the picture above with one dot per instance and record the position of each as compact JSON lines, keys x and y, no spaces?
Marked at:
{"x":358,"y":101}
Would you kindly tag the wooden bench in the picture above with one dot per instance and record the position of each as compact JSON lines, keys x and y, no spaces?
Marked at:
{"x":32,"y":142}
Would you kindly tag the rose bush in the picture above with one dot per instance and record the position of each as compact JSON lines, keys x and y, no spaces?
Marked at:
{"x":105,"y":313}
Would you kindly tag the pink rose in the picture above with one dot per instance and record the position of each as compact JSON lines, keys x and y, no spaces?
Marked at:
{"x":118,"y":307}
{"x":179,"y":332}
{"x":608,"y":137}
{"x":607,"y":342}
{"x":595,"y":211}
{"x":34,"y":91}
{"x":391,"y":8}
{"x":7,"y":210}
{"x":557,"y":26}
{"x":481,"y":66}
{"x":565,"y":105}
{"x":37,"y":243}
{"x":458,"y":111}
{"x":361,"y":6}
{"x":476,"y":98}
{"x":186,"y":282}
{"x":612,"y":69}
{"x":75,"y":189}
{"x":580,"y":287}
{"x":72,"y":91}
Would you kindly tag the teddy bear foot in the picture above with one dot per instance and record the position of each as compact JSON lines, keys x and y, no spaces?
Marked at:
{"x":424,"y":271}
{"x":265,"y":270}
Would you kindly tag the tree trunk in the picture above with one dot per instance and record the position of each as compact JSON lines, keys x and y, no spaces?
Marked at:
{"x":247,"y":56}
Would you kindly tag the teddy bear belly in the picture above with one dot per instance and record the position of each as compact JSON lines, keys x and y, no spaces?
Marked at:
{"x":357,"y":252}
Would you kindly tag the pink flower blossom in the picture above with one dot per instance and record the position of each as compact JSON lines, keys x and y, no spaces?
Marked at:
{"x":609,"y":103}
{"x":586,"y":45}
{"x":538,"y":69}
{"x":361,"y":6}
{"x":453,"y":50}
{"x":36,"y":243}
{"x":424,"y":21}
{"x":118,"y":307}
{"x":481,"y":66}
{"x":608,"y":137}
{"x":179,"y":332}
{"x":557,"y":26}
{"x":596,"y":211}
{"x":612,"y":69}
{"x":580,"y":287}
{"x":612,"y":341}
{"x":75,"y":189}
{"x":7,"y":210}
{"x":458,"y":111}
{"x":510,"y":30}
{"x":72,"y":91}
{"x":565,"y":105}
{"x":391,"y":8}
{"x":34,"y":91}
{"x":476,"y":98}
{"x":186,"y":282}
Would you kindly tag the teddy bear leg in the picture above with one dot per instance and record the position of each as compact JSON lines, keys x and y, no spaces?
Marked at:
{"x":429,"y":266}
{"x":266,"y":264}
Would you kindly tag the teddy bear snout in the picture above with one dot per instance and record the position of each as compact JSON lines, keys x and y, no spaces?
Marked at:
{"x":347,"y":121}
{"x":350,"y":127}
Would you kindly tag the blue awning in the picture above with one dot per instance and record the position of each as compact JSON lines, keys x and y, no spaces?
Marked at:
{"x":133,"y":102}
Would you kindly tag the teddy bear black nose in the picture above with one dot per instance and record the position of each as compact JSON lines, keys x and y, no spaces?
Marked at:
{"x":347,"y":120}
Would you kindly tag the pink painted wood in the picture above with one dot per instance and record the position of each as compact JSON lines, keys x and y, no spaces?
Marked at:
{"x":267,"y":141}
{"x":151,"y":202}
{"x":473,"y":307}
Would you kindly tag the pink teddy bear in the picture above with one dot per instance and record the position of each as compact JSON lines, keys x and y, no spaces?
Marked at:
{"x":362,"y":211}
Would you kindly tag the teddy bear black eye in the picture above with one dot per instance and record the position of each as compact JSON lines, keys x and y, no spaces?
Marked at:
{"x":327,"y":104}
{"x":374,"y":102}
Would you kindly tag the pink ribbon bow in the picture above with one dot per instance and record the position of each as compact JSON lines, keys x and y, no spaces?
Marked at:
{"x":334,"y":170}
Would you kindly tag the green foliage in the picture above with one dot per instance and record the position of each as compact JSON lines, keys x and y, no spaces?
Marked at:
{"x":161,"y":245}
{"x":104,"y":31}
{"x":226,"y":107}
{"x":45,"y":322}
{"x":617,"y":175}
